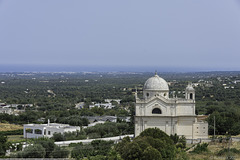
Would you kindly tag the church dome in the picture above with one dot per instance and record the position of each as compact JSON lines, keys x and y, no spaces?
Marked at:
{"x":156,"y":83}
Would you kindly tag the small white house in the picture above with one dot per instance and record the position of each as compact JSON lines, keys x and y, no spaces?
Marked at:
{"x":6,"y":109}
{"x":79,"y":105}
{"x":104,"y":105}
{"x":46,"y":130}
{"x":110,"y":100}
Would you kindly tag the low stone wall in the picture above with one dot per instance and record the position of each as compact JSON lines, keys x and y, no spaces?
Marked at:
{"x":86,"y":141}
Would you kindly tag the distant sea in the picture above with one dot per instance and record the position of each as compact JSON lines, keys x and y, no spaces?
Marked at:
{"x":60,"y":68}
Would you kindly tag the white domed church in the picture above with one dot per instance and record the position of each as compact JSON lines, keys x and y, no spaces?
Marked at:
{"x":171,"y":115}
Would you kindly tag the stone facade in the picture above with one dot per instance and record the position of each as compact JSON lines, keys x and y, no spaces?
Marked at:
{"x":171,"y":115}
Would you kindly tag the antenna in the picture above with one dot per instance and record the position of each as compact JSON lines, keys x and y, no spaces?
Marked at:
{"x":214,"y":125}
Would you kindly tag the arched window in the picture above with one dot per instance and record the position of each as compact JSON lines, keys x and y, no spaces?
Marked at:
{"x":156,"y":111}
{"x":191,"y":96}
{"x":38,"y":131}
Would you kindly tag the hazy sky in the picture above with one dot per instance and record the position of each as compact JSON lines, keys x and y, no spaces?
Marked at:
{"x":157,"y":33}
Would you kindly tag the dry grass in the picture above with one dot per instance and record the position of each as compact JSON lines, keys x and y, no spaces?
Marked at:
{"x":213,"y":150}
{"x":9,"y":127}
{"x":15,"y":138}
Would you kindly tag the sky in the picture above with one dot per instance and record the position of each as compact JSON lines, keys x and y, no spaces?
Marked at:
{"x":177,"y":34}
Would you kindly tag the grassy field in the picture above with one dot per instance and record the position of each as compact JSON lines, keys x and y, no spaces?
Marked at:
{"x":9,"y":127}
{"x":214,"y":148}
{"x":16,"y":138}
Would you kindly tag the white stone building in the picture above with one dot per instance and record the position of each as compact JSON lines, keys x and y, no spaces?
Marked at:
{"x":6,"y":109}
{"x":46,"y":130}
{"x":171,"y":115}
{"x":110,"y":100}
{"x":80,"y":105}
{"x":103,"y":105}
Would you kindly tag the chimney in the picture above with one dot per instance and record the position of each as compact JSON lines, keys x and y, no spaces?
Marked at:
{"x":48,"y":122}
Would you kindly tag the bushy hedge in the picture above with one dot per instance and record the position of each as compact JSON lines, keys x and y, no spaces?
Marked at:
{"x":108,"y":129}
{"x":95,"y":148}
{"x":14,"y":132}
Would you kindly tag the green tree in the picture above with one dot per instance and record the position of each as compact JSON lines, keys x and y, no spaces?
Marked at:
{"x":175,"y":138}
{"x":200,"y":148}
{"x":151,"y":153}
{"x":132,"y":151}
{"x":161,"y":141}
{"x":80,"y":151}
{"x":32,"y":151}
{"x":154,"y":139}
{"x":113,"y":155}
{"x":182,"y":142}
{"x":102,"y":147}
{"x":3,"y":145}
{"x":59,"y":152}
{"x":97,"y":157}
{"x":46,"y":143}
{"x":120,"y":146}
{"x":58,"y":137}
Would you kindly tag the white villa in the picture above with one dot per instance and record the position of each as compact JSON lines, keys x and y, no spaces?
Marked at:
{"x":46,"y":130}
{"x":171,"y":115}
{"x":104,"y":105}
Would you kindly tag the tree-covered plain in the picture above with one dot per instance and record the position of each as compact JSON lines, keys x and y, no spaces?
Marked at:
{"x":54,"y":95}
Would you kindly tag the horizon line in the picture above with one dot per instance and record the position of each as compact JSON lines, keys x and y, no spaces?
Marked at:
{"x":107,"y":68}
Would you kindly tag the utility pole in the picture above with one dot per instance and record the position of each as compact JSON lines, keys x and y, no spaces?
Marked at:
{"x":229,"y":143}
{"x":214,"y":128}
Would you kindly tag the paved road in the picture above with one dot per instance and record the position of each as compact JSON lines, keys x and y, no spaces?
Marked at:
{"x":86,"y":141}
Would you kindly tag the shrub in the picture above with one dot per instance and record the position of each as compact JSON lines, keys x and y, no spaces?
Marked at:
{"x":14,"y":132}
{"x":32,"y":151}
{"x":200,"y":148}
{"x":59,"y":152}
{"x":226,"y":151}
